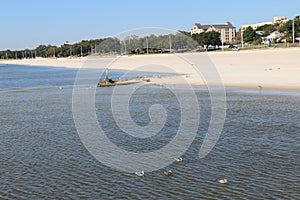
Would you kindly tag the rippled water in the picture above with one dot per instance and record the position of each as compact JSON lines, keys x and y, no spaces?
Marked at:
{"x":42,"y":156}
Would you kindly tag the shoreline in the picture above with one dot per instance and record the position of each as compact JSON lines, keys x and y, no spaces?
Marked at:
{"x":269,"y":69}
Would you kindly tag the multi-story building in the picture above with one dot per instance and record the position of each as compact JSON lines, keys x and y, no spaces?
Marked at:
{"x":255,"y":26}
{"x":276,"y":20}
{"x":227,"y":31}
{"x":280,"y":19}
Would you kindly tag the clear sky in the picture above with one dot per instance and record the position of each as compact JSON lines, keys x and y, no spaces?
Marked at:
{"x":26,"y":24}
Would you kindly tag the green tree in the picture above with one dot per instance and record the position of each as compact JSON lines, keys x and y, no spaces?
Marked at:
{"x":268,"y":28}
{"x":41,"y":51}
{"x":287,"y":28}
{"x":109,"y":45}
{"x":249,"y":34}
{"x":257,"y":41}
{"x":208,"y":38}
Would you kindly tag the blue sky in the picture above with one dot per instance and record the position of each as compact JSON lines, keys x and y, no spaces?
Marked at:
{"x":26,"y":24}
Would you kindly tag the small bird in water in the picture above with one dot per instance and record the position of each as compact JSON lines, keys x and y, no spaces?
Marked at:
{"x":168,"y":173}
{"x":60,"y":88}
{"x":222,"y":181}
{"x":140,"y":174}
{"x":179,"y":159}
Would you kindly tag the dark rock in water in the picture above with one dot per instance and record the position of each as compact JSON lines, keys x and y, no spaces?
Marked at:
{"x":168,"y":173}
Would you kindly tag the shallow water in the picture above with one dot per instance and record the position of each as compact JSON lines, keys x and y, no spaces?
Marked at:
{"x":42,"y":156}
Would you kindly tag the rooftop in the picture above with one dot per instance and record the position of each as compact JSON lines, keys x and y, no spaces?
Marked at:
{"x":219,"y":26}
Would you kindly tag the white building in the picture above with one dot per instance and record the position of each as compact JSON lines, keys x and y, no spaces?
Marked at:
{"x":280,"y":19}
{"x":255,"y":26}
{"x":274,"y":36}
{"x":276,"y":19}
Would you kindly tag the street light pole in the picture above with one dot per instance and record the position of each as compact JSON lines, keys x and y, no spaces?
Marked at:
{"x":170,"y":43}
{"x":293,"y":31}
{"x":222,"y":43}
{"x":147,"y":45}
{"x":242,"y":37}
{"x":125,"y":46}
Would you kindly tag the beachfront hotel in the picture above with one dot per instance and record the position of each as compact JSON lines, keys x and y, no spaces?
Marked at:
{"x":276,"y":20}
{"x":227,"y":31}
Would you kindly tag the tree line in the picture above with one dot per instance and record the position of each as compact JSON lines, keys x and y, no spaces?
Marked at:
{"x":180,"y":41}
{"x":83,"y":48}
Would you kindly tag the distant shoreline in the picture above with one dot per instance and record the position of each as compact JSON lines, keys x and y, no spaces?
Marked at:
{"x":277,"y":68}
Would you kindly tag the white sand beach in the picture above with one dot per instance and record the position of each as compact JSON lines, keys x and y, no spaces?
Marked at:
{"x":268,"y":68}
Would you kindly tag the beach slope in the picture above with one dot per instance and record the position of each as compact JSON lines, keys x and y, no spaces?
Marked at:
{"x":269,"y":68}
